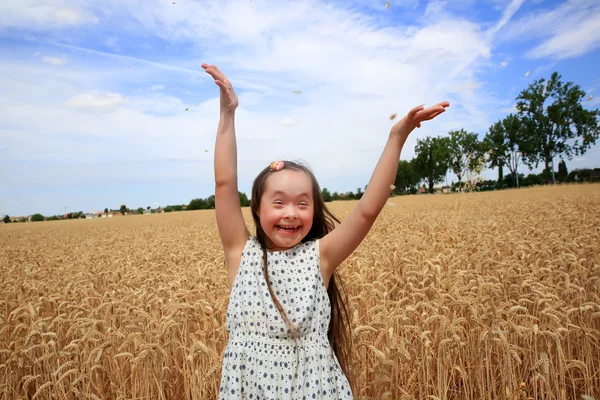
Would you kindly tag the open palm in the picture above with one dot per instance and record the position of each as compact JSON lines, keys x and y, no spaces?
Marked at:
{"x":229,"y":100}
{"x":417,"y":115}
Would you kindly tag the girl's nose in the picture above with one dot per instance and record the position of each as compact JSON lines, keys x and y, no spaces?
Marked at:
{"x":291,"y":213}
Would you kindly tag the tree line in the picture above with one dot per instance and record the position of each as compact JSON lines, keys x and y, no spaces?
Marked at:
{"x":550,"y":122}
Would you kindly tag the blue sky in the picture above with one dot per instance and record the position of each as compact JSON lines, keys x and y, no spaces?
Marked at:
{"x":94,"y":93}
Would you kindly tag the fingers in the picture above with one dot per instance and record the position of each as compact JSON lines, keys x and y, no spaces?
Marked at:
{"x":414,"y":111}
{"x":432,"y":116}
{"x":214,"y":71}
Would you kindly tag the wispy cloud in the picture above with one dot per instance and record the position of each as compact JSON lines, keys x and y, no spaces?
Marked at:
{"x":103,"y":102}
{"x":288,"y":122}
{"x":32,"y":14}
{"x":569,"y":30}
{"x":54,"y":60}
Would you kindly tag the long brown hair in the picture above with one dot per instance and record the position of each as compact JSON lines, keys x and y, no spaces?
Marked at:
{"x":339,"y":332}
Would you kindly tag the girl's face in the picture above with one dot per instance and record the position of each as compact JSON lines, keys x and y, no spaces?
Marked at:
{"x":286,"y":208}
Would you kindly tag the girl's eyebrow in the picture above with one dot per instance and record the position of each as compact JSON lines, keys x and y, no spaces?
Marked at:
{"x":280,"y":193}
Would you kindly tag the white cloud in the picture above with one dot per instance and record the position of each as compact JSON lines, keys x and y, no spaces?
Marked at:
{"x":288,"y":122}
{"x":508,"y":13}
{"x":101,"y":102}
{"x":54,"y":60}
{"x":36,"y":15}
{"x":503,"y":64}
{"x":68,"y":17}
{"x":435,"y":7}
{"x":154,"y":88}
{"x":572,"y":43}
{"x":569,"y":30}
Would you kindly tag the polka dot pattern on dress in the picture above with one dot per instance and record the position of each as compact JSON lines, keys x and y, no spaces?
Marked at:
{"x":262,"y":360}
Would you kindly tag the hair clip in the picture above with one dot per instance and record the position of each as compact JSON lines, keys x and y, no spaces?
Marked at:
{"x":276,"y":166}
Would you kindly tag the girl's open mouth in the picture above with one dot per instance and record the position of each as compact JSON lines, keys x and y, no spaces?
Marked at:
{"x":288,"y":229}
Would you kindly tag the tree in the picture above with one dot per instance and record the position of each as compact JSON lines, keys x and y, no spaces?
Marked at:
{"x":198,"y":204}
{"x":6,"y":219}
{"x":326,"y":195}
{"x":494,"y":144}
{"x":244,"y":202}
{"x":432,"y":159}
{"x":37,"y":217}
{"x":465,"y":153}
{"x":359,"y":194}
{"x":140,"y":210}
{"x":555,"y":122}
{"x":148,"y":208}
{"x":210,"y":201}
{"x":123,"y":209}
{"x":506,"y":143}
{"x":563,"y":172}
{"x":106,"y":211}
{"x":406,"y":177}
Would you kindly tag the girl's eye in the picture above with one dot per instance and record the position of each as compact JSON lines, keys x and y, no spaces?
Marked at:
{"x":278,"y":202}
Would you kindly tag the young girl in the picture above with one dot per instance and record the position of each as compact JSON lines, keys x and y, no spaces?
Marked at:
{"x":289,"y":333}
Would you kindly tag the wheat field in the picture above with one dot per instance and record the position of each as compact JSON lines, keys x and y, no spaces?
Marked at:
{"x":472,"y":296}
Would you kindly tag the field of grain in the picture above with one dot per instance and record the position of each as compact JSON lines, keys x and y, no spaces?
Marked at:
{"x":470,"y":296}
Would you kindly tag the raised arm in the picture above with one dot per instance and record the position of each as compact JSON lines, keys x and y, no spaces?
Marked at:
{"x":232,"y":228}
{"x":336,"y":246}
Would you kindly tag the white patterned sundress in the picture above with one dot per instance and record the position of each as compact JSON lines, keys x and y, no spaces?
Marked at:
{"x":261,"y":361}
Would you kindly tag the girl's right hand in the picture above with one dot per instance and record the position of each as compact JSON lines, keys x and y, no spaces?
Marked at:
{"x":229,"y":100}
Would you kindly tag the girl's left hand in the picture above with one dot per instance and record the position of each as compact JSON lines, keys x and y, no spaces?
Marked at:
{"x":417,"y":115}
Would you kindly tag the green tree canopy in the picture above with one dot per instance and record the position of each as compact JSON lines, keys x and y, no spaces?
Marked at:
{"x":198,"y":204}
{"x":37,"y":217}
{"x":244,"y":202}
{"x":465,"y":153}
{"x":505,"y":143}
{"x":406,"y":177}
{"x":432,"y":159}
{"x":555,"y":121}
{"x":563,"y":172}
